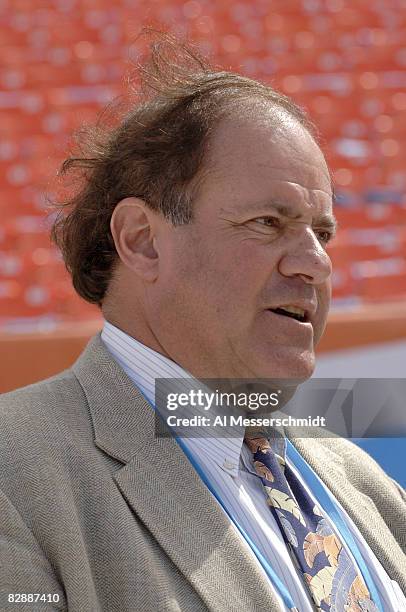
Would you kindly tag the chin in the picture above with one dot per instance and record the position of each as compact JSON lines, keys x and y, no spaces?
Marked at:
{"x":292,"y":365}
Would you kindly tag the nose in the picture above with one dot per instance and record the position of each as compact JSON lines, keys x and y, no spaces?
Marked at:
{"x":306,"y":258}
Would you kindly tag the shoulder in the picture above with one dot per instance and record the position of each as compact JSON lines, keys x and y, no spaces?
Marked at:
{"x":40,"y":425}
{"x":49,"y":407}
{"x":364,"y":475}
{"x":40,"y":405}
{"x":333,"y":455}
{"x":359,"y":466}
{"x":328,"y":450}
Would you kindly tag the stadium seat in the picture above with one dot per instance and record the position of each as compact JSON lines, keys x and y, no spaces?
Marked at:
{"x":344,"y":63}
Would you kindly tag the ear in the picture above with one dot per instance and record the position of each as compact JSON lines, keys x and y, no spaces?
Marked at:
{"x":133,"y":226}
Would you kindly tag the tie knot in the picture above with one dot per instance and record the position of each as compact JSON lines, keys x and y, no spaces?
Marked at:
{"x":258,"y":443}
{"x":266,"y":442}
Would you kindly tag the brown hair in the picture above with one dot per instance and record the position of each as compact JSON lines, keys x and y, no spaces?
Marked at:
{"x":155,"y":153}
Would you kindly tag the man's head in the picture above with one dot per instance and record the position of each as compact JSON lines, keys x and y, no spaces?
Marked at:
{"x":226,"y":222}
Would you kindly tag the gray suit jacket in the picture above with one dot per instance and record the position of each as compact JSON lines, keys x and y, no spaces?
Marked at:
{"x":95,"y":509}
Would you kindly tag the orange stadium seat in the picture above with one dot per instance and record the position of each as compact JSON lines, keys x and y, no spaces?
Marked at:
{"x":344,"y":62}
{"x":383,"y":288}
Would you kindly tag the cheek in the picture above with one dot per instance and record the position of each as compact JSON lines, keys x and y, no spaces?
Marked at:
{"x":325,"y":295}
{"x":253,"y":260}
{"x":324,"y":299}
{"x":225,"y":276}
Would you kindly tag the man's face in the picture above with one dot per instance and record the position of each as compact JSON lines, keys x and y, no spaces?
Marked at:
{"x":263,"y":216}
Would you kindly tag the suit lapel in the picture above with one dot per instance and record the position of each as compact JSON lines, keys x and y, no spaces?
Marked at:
{"x":330,"y":467}
{"x":165,"y":492}
{"x":180,"y":512}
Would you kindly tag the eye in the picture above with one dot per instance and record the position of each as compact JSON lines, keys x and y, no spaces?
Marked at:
{"x":268,"y":221}
{"x":324,"y":235}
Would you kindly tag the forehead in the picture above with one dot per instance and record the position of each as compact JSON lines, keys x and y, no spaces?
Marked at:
{"x":266,"y":154}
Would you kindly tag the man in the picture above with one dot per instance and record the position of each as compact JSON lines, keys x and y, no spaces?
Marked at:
{"x":201,"y":231}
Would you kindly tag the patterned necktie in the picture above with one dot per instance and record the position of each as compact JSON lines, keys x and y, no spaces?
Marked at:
{"x":332,"y":577}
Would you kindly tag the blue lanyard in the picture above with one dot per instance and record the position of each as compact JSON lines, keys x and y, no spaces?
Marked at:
{"x":330,"y":508}
{"x":275,"y":580}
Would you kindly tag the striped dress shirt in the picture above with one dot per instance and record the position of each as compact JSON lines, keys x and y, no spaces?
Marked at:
{"x":228,"y":465}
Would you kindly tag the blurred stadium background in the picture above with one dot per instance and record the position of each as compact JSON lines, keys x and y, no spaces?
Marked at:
{"x":62,"y":61}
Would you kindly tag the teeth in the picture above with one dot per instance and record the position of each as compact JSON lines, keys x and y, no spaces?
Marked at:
{"x":293,"y":310}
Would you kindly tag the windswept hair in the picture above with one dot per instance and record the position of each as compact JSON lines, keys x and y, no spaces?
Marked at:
{"x":154,"y":152}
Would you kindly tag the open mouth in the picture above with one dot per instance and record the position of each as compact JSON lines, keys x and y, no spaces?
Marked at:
{"x":293,"y":313}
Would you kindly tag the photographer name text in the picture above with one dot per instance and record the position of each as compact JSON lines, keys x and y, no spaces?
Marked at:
{"x":240,"y":421}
